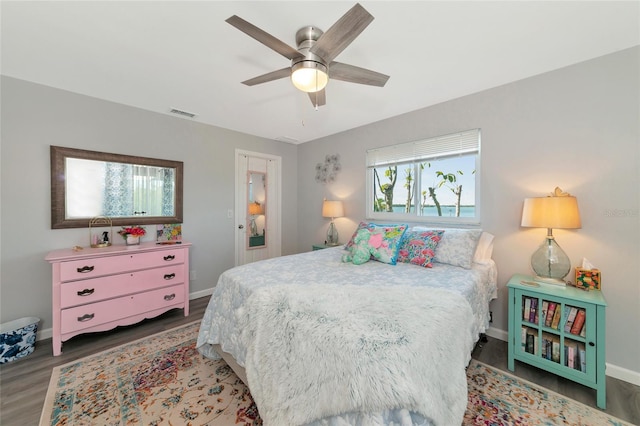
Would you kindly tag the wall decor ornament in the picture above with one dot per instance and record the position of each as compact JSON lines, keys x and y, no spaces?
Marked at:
{"x":327,"y":171}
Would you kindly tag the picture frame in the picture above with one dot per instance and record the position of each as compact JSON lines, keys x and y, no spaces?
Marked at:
{"x":169,"y":233}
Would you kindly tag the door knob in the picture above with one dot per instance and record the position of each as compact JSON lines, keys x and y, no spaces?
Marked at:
{"x":240,"y":226}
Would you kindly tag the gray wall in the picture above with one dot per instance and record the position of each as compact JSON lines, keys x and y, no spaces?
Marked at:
{"x":35,"y":117}
{"x":576,"y":128}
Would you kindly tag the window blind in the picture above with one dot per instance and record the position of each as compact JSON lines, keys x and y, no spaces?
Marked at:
{"x":441,"y":146}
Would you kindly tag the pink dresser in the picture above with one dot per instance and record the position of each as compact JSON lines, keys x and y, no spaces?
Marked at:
{"x":97,"y":289}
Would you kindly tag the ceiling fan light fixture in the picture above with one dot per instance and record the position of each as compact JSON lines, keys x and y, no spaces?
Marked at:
{"x":309,"y":76}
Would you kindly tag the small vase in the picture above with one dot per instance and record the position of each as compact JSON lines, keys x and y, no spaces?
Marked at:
{"x":132,"y":240}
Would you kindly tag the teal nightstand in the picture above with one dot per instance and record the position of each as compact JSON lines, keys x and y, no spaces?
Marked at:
{"x":322,"y":246}
{"x":558,"y":329}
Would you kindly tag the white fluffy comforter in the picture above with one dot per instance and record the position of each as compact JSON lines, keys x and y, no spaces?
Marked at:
{"x":232,"y":307}
{"x":320,"y":351}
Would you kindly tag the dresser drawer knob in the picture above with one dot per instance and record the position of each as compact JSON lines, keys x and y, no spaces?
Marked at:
{"x":86,"y":292}
{"x":169,"y":276}
{"x":169,"y":257}
{"x":86,"y":317}
{"x":85,"y":269}
{"x":170,"y":296}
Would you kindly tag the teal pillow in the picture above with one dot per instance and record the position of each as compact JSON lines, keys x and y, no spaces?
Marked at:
{"x":391,"y":241}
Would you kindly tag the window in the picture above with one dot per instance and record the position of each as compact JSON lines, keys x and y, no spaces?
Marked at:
{"x":432,"y":180}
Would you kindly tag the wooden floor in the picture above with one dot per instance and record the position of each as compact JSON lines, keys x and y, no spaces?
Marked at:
{"x":24,"y":383}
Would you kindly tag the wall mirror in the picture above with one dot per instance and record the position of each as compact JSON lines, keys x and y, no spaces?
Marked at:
{"x":256,"y":202}
{"x":128,"y":189}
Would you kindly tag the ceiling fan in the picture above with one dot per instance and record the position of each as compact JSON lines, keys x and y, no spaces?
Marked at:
{"x":312,"y":63}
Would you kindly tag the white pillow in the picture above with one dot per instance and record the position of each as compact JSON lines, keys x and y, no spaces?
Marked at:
{"x":457,"y":246}
{"x":484,"y":251}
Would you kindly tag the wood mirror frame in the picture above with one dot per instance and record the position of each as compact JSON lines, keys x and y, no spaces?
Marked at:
{"x":58,"y":187}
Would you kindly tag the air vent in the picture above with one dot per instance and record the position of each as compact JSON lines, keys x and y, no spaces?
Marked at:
{"x":180,"y":112}
{"x":287,"y":139}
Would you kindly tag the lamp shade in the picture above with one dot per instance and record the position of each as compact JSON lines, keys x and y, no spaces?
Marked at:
{"x":559,"y":212}
{"x":332,"y":209}
{"x":256,"y":209}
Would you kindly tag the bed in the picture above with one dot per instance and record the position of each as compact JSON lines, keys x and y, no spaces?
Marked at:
{"x":322,"y":342}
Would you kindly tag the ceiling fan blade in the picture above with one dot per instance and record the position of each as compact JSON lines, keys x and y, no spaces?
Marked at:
{"x":342,"y":33}
{"x":353,"y":74}
{"x":318,"y":98}
{"x":263,"y":37}
{"x":270,"y":76}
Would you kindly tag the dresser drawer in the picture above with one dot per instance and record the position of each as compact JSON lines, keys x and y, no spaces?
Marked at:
{"x":109,"y":265}
{"x":94,"y":314}
{"x":77,"y":293}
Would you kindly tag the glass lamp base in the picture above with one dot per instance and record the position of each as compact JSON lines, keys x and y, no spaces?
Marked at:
{"x":332,"y":235}
{"x":550,"y":263}
{"x":253,"y":228}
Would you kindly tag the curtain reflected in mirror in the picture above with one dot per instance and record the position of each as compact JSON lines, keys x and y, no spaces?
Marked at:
{"x":257,"y":197}
{"x":118,"y":189}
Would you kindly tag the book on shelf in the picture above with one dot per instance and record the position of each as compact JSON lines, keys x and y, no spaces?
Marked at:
{"x":583,"y":332}
{"x":550,"y":312}
{"x":555,"y":350}
{"x":523,"y":339}
{"x":547,"y":346}
{"x":569,"y":322}
{"x":582,"y":358}
{"x":578,"y":322}
{"x":543,"y":312}
{"x":571,"y":357}
{"x":530,"y":343}
{"x":533,"y":315}
{"x":527,"y":308}
{"x":555,"y":322}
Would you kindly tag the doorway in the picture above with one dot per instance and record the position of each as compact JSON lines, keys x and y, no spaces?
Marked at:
{"x":258,"y":211}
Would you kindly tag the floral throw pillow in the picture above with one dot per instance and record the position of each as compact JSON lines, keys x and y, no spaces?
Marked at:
{"x":419,"y":247}
{"x":391,"y":241}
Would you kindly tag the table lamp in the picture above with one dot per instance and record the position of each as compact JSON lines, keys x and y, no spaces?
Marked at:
{"x":559,"y":210}
{"x":332,"y":209}
{"x":255,"y":209}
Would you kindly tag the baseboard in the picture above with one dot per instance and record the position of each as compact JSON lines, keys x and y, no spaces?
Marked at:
{"x":496,"y":333}
{"x":623,"y":374}
{"x":201,"y":293}
{"x":48,"y":332}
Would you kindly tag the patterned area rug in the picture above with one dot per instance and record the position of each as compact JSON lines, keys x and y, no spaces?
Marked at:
{"x":163,"y":380}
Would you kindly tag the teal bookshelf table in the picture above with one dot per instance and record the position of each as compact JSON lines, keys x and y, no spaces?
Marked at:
{"x":322,"y":246}
{"x":558,"y":329}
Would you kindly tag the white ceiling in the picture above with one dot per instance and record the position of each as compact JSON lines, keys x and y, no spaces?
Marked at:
{"x":159,"y":55}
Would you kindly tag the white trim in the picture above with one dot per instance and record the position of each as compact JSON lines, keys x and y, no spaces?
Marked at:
{"x":274,"y":207}
{"x":201,"y":293}
{"x":623,"y":374}
{"x":461,"y":143}
{"x":496,"y":333}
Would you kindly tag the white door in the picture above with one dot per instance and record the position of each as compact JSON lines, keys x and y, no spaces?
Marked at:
{"x":258,"y":222}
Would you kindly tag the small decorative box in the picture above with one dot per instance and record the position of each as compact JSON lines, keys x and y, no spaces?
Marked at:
{"x":588,"y":279}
